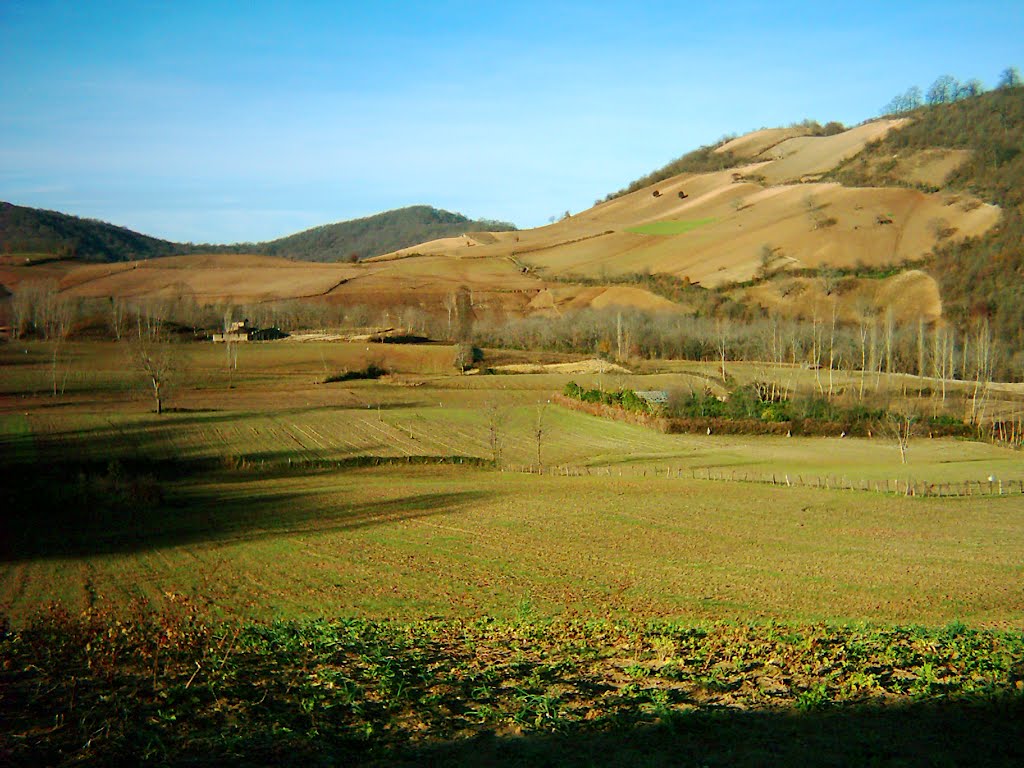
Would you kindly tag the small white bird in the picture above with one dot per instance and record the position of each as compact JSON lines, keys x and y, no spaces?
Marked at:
{"x":709,"y":430}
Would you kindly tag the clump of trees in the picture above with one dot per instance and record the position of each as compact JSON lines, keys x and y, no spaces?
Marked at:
{"x":946,"y":90}
{"x":626,"y":399}
{"x":762,"y":402}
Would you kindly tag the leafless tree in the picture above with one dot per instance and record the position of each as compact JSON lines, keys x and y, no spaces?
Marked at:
{"x":723,"y":336}
{"x":62,"y":315}
{"x":151,"y":350}
{"x":890,"y":333}
{"x":463,"y":356}
{"x":832,"y":349}
{"x":922,"y":348}
{"x":983,"y":369}
{"x":495,"y":418}
{"x":540,"y":431}
{"x":118,"y":316}
{"x":230,"y":346}
{"x":900,"y":425}
{"x":865,"y":325}
{"x":450,"y":304}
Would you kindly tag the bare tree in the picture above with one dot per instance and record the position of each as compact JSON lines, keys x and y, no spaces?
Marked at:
{"x":983,"y":368}
{"x":229,"y":344}
{"x":768,"y":255}
{"x":890,"y":332}
{"x":540,"y":431}
{"x":723,"y":336}
{"x":463,"y":356}
{"x":922,"y":349}
{"x":816,"y":342}
{"x":118,"y":316}
{"x":865,"y":321}
{"x":832,"y":349}
{"x":62,"y":316}
{"x":495,"y":417}
{"x":900,"y":426}
{"x":151,"y":351}
{"x":450,"y":304}
{"x":944,"y":90}
{"x":23,"y":307}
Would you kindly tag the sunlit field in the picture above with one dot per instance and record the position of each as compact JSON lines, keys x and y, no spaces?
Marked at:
{"x":403,"y":561}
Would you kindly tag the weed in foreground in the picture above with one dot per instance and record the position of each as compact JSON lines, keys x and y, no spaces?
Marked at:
{"x":168,"y":686}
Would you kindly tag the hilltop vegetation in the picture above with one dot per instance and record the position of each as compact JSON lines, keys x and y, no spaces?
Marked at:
{"x":980,"y":278}
{"x":374,"y":235}
{"x":715,"y":157}
{"x":34,"y":231}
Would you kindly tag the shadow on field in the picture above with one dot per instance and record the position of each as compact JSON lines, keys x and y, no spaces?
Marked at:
{"x":81,"y":509}
{"x":987,"y":732}
{"x":154,"y":435}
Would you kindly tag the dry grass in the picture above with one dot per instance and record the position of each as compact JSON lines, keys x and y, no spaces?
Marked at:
{"x":775,"y":201}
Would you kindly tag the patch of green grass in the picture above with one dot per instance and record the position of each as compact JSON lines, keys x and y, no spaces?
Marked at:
{"x":409,"y":541}
{"x":673,"y":227}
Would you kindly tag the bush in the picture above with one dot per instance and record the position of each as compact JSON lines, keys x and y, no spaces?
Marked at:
{"x":777,"y":412}
{"x":744,"y":403}
{"x":371,"y":371}
{"x":625,"y":399}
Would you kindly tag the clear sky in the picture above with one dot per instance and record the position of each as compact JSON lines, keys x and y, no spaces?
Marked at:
{"x":228,"y":121}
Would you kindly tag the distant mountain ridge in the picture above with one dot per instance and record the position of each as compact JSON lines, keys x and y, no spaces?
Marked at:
{"x":37,"y":231}
{"x":374,"y":235}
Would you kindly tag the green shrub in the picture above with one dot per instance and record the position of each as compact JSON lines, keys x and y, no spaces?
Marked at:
{"x":776,"y":412}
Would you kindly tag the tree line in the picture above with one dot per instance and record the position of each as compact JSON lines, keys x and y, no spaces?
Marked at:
{"x":946,"y":90}
{"x":980,"y":277}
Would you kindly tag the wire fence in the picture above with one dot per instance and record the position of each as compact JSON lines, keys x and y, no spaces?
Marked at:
{"x":893,"y":486}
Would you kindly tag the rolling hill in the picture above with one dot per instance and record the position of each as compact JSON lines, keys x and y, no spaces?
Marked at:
{"x":40,"y":233}
{"x":916,"y":215}
{"x":374,"y":235}
{"x":49,"y":233}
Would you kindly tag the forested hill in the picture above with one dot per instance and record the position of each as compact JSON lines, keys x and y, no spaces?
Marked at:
{"x":374,"y":235}
{"x":38,"y":232}
{"x":35,"y":231}
{"x":980,"y":278}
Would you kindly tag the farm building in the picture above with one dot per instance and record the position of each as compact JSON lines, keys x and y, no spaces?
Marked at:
{"x":242,"y":331}
{"x":656,"y":398}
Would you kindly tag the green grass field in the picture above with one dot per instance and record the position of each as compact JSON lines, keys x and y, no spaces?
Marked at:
{"x":282,"y":571}
{"x":414,"y":542}
{"x":263,"y":464}
{"x":670,"y":227}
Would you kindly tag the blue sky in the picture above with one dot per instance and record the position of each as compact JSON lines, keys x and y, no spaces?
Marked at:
{"x":228,"y":121}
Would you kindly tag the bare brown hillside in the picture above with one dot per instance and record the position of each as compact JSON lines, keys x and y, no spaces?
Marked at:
{"x":726,"y":219}
{"x":772,"y":214}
